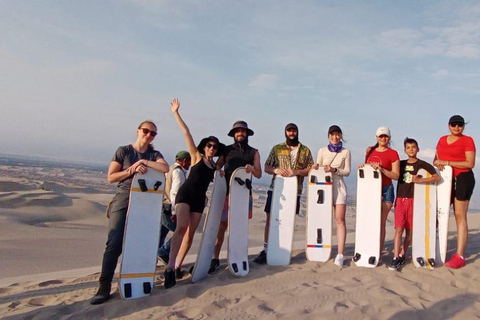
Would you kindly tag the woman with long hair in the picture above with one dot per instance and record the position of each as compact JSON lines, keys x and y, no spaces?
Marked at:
{"x":458,"y":151}
{"x":335,"y":158}
{"x":191,"y":196}
{"x":381,"y":157}
{"x":127,"y":161}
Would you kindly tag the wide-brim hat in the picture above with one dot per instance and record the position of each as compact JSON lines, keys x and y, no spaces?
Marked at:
{"x":203,"y":143}
{"x":240,"y":124}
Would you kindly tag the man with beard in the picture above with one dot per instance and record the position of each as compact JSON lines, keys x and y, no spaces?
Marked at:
{"x":239,"y":154}
{"x":286,"y":159}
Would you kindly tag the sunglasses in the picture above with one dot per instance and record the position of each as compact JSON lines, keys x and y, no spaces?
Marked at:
{"x":211,"y":145}
{"x":147,"y":131}
{"x":457,"y":124}
{"x":383,"y":136}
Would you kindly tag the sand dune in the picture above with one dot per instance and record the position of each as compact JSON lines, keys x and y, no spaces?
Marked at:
{"x":52,"y":239}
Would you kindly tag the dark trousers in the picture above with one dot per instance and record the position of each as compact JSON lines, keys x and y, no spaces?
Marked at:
{"x":116,"y":227}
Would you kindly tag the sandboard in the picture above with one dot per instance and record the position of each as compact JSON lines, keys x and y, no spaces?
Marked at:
{"x":424,"y":223}
{"x":444,"y":190}
{"x":210,"y":228}
{"x":368,"y":219}
{"x":141,"y":235}
{"x":282,"y":221}
{"x":240,"y":186}
{"x":319,"y":215}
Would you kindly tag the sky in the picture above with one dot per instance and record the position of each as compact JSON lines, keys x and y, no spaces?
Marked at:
{"x":78,"y":77}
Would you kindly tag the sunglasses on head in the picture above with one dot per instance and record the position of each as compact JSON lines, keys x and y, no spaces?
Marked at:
{"x":147,"y":131}
{"x":211,"y":145}
{"x":457,"y":124}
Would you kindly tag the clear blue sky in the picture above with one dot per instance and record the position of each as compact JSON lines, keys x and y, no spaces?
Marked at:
{"x":77,"y":77}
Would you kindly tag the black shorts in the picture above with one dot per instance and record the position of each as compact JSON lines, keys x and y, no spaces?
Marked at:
{"x":268,"y":204}
{"x":463,"y":184}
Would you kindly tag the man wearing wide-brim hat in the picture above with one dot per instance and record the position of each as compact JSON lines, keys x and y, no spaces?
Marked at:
{"x":237,"y":155}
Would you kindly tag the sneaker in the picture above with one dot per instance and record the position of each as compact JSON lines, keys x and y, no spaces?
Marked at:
{"x":456,"y":262}
{"x":103,"y":293}
{"x":214,"y":265}
{"x":169,"y":278}
{"x":164,"y":259}
{"x":178,"y":273}
{"x":261,"y":258}
{"x":394,"y":264}
{"x":339,"y":260}
{"x":401,"y":260}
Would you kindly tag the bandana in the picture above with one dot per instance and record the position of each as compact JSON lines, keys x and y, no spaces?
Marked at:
{"x":335,"y":148}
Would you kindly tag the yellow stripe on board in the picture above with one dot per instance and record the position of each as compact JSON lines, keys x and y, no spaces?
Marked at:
{"x":148,"y":191}
{"x":427,"y":224}
{"x":137,"y":275}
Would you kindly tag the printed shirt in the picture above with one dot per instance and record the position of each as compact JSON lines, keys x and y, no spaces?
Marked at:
{"x":405,"y":186}
{"x":385,"y":159}
{"x":455,"y":151}
{"x":280,"y":157}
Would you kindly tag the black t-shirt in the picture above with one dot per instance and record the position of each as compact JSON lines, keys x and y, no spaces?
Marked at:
{"x":126,"y":156}
{"x":405,"y":187}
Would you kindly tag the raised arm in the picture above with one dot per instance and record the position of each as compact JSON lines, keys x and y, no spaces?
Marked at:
{"x":192,"y":148}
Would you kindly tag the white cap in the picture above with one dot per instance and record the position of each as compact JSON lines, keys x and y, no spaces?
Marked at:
{"x":383,"y":130}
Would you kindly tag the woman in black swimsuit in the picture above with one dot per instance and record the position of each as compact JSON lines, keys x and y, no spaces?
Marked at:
{"x":191,"y":197}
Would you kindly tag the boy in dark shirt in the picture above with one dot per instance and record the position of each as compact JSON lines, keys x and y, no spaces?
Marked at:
{"x":404,"y":201}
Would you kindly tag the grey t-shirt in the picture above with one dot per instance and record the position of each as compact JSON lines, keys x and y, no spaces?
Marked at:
{"x":126,"y":156}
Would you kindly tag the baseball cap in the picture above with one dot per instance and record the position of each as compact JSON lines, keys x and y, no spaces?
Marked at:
{"x":182,"y":155}
{"x":383,"y":130}
{"x":456,"y":119}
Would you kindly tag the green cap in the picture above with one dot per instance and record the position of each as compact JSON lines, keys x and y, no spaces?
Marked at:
{"x":182,"y":155}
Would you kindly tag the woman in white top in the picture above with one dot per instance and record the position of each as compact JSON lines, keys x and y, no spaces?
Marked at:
{"x":336,"y":159}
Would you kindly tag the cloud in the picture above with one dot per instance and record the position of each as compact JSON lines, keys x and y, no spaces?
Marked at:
{"x":441,"y":73}
{"x":264,"y":81}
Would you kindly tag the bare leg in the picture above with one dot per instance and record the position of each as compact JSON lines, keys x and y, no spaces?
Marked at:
{"x":220,"y":238}
{"x":386,"y":206}
{"x":195,"y":218}
{"x":460,"y":209}
{"x":340,"y":210}
{"x":406,"y":243}
{"x":397,"y":242}
{"x":183,"y":220}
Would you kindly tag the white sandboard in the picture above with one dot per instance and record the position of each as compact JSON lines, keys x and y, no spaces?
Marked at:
{"x":319,"y":215}
{"x":210,"y":228}
{"x":424,"y":223}
{"x":444,"y":190}
{"x":142,"y":231}
{"x":369,"y":208}
{"x":239,"y":198}
{"x":282,"y":221}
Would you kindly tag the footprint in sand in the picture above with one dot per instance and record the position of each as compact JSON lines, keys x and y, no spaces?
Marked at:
{"x":458,"y":284}
{"x":49,"y":283}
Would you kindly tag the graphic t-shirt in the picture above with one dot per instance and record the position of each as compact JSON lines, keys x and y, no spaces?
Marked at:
{"x":385,"y":159}
{"x":405,"y":187}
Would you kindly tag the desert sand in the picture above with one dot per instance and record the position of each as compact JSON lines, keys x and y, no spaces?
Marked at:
{"x":52,"y":237}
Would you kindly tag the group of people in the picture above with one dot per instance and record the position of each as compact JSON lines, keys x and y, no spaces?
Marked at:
{"x":185,"y":196}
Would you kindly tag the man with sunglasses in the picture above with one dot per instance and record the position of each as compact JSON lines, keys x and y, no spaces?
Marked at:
{"x":175,"y":178}
{"x":458,"y":151}
{"x":290,"y":158}
{"x":237,"y":155}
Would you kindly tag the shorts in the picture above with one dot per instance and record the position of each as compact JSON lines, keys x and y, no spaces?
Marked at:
{"x":339,"y":191}
{"x":387,"y":194}
{"x":404,"y":213}
{"x":225,"y":208}
{"x":268,"y":204}
{"x":462,"y":186}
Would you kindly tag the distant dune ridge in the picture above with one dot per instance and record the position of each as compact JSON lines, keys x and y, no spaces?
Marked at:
{"x":53,"y":233}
